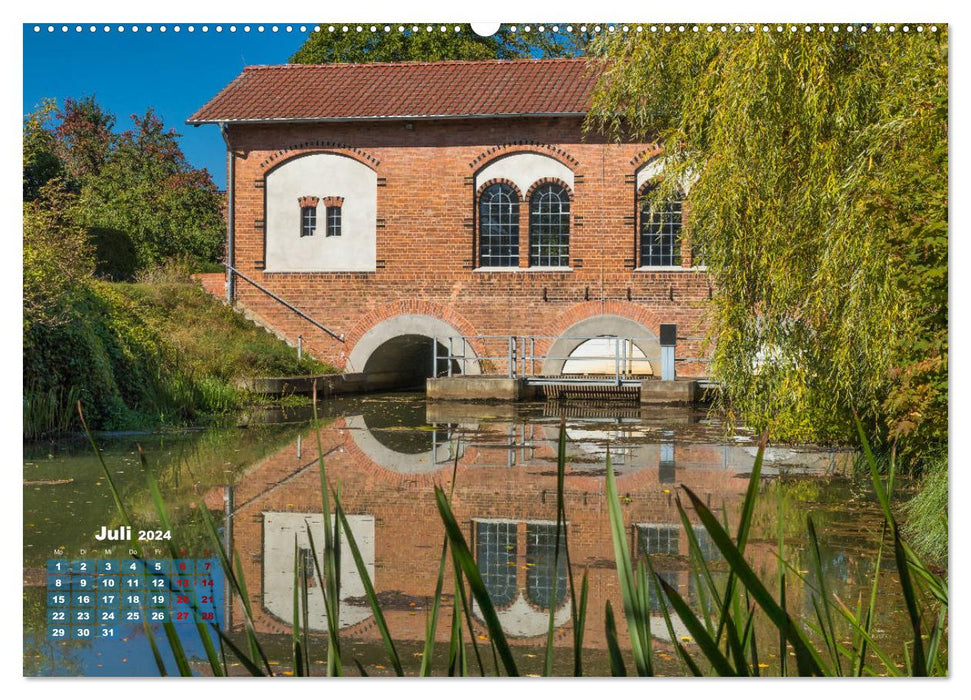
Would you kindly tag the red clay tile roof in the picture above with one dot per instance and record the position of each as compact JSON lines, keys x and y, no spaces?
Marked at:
{"x":448,"y":89}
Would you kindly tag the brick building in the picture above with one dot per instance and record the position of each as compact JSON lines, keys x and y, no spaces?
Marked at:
{"x":392,"y":203}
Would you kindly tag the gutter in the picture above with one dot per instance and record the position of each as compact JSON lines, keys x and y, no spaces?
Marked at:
{"x":379,"y":118}
{"x":230,"y":211}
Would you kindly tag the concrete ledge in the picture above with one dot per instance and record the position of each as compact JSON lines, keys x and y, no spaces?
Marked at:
{"x":476,"y":388}
{"x":355,"y":383}
{"x":679,"y":391}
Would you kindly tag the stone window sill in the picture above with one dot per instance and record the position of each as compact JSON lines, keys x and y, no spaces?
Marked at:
{"x":523,"y":269}
{"x":671,"y":268}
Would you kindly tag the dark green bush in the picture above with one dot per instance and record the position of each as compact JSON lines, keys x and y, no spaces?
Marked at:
{"x":116,"y":257}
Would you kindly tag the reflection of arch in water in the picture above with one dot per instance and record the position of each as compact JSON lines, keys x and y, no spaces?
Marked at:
{"x":405,"y":451}
{"x":279,"y":531}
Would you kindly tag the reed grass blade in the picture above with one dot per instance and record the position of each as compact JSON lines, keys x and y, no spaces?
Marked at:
{"x":806,"y":657}
{"x":369,"y":593}
{"x":617,"y":666}
{"x":635,"y":614}
{"x":697,"y":630}
{"x":214,"y":662}
{"x":174,"y":643}
{"x":461,"y":553}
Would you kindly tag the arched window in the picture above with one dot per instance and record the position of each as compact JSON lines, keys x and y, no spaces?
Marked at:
{"x":499,"y":227}
{"x":549,"y":227}
{"x":661,"y":231}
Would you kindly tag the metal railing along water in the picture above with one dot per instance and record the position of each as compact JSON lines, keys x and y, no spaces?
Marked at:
{"x":627,"y":364}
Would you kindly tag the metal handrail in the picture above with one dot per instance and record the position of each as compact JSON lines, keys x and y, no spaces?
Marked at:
{"x":522,"y":354}
{"x":294,"y":309}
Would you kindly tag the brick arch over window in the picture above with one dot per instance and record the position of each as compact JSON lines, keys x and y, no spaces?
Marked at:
{"x":645,"y":156}
{"x":317,"y":146}
{"x":498,"y":181}
{"x":591,"y":319}
{"x":543,"y":149}
{"x":549,"y":181}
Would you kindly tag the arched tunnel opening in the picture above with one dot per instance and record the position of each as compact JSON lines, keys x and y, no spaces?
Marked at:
{"x":407,"y":361}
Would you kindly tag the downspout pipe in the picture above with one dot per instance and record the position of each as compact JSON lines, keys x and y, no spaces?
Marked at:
{"x":230,"y":211}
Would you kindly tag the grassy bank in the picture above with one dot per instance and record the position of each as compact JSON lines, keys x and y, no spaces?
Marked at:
{"x":145,"y":354}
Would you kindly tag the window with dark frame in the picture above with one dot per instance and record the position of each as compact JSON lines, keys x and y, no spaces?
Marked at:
{"x":549,"y":227}
{"x":333,"y":221}
{"x":659,"y":539}
{"x":495,"y":555}
{"x":499,"y":227}
{"x":540,"y":558}
{"x":308,"y":221}
{"x":661,"y":231}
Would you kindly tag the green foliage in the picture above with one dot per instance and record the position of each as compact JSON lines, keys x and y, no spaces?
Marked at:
{"x":58,"y":260}
{"x":415,"y":43}
{"x":212,"y":339}
{"x":84,"y":137}
{"x":116,"y":258}
{"x":48,"y":411}
{"x":147,"y":189}
{"x":137,"y":183}
{"x":927,"y":512}
{"x":143,"y":355}
{"x":135,"y":354}
{"x":817,"y":166}
{"x":41,"y":161}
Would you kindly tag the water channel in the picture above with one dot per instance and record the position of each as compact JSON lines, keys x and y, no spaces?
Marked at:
{"x":261,"y":484}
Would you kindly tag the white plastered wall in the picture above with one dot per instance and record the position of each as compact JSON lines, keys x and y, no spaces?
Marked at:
{"x":321,"y":175}
{"x":524,"y":169}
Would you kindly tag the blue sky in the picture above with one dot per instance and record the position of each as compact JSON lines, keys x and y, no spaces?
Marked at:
{"x":176,"y":73}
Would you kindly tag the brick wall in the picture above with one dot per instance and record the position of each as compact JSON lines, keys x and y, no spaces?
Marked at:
{"x":426,"y":238}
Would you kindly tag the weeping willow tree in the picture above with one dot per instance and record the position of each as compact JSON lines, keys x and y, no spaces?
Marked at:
{"x":817,"y":165}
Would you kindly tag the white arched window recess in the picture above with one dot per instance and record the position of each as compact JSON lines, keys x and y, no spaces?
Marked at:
{"x":659,"y":221}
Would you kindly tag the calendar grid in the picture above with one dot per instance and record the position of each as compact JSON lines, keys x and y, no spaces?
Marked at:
{"x":97,"y":598}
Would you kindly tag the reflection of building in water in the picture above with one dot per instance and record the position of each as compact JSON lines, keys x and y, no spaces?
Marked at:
{"x":522,"y":581}
{"x":284,"y":531}
{"x":505,"y":502}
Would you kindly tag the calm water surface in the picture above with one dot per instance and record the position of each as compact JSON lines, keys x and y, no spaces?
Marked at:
{"x":261,"y":483}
